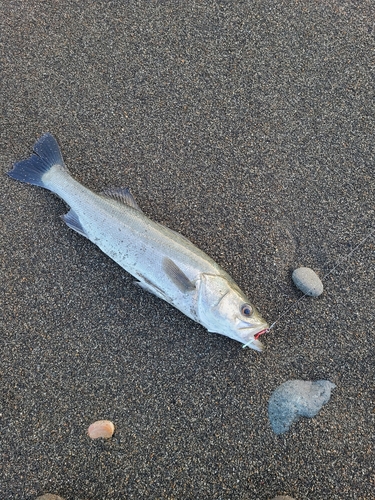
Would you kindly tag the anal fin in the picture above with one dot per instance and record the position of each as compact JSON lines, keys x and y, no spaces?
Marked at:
{"x":72,"y":220}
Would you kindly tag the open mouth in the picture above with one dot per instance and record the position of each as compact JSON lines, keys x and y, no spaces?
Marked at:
{"x":257,"y":335}
{"x":254,"y":343}
{"x":242,"y":325}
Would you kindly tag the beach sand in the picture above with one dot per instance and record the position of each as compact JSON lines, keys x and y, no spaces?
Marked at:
{"x":249,"y":128}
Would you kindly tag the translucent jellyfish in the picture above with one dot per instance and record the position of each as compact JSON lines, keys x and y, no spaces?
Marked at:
{"x":297,"y":398}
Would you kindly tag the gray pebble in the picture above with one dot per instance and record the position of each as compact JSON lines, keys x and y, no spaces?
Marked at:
{"x":307,"y":281}
{"x":297,"y":398}
{"x":283,"y":497}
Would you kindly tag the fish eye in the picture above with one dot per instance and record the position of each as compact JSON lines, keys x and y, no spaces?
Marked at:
{"x":246,"y":310}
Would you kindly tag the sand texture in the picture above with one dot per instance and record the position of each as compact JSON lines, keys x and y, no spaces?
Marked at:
{"x":249,"y":128}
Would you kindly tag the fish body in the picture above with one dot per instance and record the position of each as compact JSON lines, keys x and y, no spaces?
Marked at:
{"x":163,"y":261}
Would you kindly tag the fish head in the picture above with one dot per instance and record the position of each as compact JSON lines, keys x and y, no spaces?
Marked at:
{"x":223,"y":308}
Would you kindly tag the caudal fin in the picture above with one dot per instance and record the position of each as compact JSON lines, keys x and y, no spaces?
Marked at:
{"x":46,"y":154}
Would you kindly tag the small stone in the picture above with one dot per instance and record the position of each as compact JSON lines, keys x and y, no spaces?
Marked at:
{"x":49,"y":496}
{"x":307,"y":281}
{"x":101,"y":429}
{"x":283,"y":497}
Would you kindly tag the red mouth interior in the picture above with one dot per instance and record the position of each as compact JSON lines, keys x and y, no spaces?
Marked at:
{"x":257,"y":335}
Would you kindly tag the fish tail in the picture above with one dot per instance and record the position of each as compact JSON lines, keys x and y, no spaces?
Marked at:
{"x":46,"y":154}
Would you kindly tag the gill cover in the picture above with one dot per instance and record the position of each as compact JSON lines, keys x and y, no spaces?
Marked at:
{"x":221,"y":306}
{"x":211,"y":292}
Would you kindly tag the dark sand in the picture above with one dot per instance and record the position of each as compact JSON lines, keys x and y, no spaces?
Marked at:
{"x":249,"y":127}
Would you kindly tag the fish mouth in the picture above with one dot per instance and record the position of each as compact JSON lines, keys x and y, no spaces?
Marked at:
{"x":253,"y":333}
{"x":261,"y":332}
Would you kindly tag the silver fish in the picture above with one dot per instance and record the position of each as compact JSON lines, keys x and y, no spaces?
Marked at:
{"x":164,"y":262}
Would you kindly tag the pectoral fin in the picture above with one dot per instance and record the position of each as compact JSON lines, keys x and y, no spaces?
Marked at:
{"x":177,"y":276}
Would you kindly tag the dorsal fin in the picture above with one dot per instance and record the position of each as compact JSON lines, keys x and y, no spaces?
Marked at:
{"x":123,"y":195}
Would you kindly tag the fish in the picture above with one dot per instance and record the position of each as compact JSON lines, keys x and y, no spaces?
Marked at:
{"x":164,"y":262}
